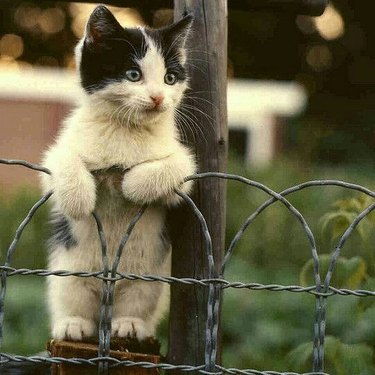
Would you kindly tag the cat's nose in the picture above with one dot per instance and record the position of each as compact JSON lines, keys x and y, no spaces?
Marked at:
{"x":157,"y":99}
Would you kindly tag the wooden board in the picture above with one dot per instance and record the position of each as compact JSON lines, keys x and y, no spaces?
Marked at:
{"x":70,"y":349}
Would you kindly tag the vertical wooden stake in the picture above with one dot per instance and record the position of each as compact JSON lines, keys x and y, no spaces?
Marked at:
{"x":208,"y":51}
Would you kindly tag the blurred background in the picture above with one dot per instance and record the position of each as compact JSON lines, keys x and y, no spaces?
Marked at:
{"x":300,"y":100}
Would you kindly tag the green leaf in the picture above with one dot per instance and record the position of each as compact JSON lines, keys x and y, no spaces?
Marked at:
{"x":337,"y":222}
{"x":348,"y":273}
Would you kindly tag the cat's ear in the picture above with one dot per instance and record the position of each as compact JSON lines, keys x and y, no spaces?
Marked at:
{"x":102,"y":24}
{"x":179,"y":30}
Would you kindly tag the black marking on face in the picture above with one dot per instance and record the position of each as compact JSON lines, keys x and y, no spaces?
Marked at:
{"x":171,"y":40}
{"x":108,"y":50}
{"x":61,"y":232}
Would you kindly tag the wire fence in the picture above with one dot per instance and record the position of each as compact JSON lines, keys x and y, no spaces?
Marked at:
{"x":215,"y":281}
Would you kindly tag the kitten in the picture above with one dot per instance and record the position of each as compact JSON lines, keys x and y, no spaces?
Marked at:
{"x":133,"y":80}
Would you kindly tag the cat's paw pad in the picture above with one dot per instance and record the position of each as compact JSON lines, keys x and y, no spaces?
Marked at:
{"x":129,"y":326}
{"x":73,"y":328}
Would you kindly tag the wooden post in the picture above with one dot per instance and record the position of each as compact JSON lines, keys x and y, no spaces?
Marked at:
{"x":208,"y":51}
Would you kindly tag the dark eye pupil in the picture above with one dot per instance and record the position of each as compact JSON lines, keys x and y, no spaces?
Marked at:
{"x":133,"y":75}
{"x":170,"y":78}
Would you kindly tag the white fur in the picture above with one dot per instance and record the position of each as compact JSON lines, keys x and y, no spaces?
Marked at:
{"x":113,"y":127}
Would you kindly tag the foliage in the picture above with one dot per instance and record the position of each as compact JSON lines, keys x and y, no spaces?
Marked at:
{"x":31,"y":250}
{"x":275,"y":250}
{"x":26,"y":318}
{"x":348,"y":273}
{"x":340,"y":358}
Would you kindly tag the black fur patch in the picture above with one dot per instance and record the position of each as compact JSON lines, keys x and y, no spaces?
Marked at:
{"x":170,"y":40}
{"x":166,"y":241}
{"x":61,"y":232}
{"x":171,"y":52}
{"x":108,"y":62}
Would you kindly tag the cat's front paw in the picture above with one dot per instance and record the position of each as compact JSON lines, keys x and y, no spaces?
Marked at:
{"x":146,"y":184}
{"x":130,"y":326}
{"x":173,"y":199}
{"x":73,"y":328}
{"x":76,"y":198}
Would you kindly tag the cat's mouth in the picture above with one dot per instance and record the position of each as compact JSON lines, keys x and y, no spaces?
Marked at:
{"x":155,"y":109}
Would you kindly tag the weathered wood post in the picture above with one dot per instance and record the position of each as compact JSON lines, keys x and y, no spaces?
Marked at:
{"x":208,"y":51}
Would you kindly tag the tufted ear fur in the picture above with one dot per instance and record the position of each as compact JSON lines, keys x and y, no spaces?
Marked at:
{"x":102,"y":24}
{"x":179,"y":30}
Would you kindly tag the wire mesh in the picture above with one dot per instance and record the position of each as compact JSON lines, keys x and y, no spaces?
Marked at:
{"x":215,"y":282}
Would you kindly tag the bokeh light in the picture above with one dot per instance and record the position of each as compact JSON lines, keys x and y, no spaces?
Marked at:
{"x":52,"y":20}
{"x":27,"y":16}
{"x":330,"y":25}
{"x":81,"y":12}
{"x":319,"y":58}
{"x":11,"y":45}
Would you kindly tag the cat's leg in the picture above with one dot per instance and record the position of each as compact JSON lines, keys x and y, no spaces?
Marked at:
{"x":73,"y":301}
{"x":74,"y":308}
{"x":135,"y":305}
{"x":73,"y":186}
{"x":138,"y":305}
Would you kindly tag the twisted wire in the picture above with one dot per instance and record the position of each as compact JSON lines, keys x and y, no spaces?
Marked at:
{"x":214,"y":281}
{"x":114,"y":362}
{"x":222,"y":283}
{"x":102,"y":334}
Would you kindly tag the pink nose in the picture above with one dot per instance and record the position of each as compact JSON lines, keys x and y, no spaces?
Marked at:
{"x":157,"y":100}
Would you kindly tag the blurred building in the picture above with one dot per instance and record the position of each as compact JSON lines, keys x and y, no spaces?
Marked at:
{"x":32,"y":106}
{"x":33,"y":103}
{"x":257,"y":110}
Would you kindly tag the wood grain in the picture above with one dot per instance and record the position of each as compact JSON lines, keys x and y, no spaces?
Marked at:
{"x":207,"y":107}
{"x":70,"y":349}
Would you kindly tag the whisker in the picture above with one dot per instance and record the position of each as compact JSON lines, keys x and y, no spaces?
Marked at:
{"x":186,"y":125}
{"x":187,"y":106}
{"x":180,"y":126}
{"x":189,"y":121}
{"x":191,"y":114}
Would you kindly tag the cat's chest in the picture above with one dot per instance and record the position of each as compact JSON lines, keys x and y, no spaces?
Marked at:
{"x":106,"y":150}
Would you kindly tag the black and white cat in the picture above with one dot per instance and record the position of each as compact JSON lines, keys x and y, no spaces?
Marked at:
{"x":133,"y":81}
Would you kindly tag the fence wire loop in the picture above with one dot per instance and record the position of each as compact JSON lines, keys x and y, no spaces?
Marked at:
{"x":214,"y":281}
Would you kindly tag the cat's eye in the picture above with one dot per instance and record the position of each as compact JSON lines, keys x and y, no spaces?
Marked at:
{"x":170,"y":78}
{"x":133,"y":75}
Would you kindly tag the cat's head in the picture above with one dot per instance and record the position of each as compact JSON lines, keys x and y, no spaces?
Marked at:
{"x":138,"y":72}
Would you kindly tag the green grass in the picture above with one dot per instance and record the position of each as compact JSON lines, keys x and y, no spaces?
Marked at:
{"x":26,"y":318}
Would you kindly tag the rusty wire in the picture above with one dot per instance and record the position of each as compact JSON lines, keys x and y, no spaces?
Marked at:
{"x":214,"y":281}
